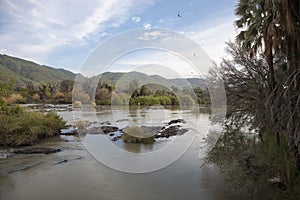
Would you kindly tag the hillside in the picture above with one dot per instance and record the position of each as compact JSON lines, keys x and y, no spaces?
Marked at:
{"x":120,"y":78}
{"x":21,"y":71}
{"x":194,"y":82}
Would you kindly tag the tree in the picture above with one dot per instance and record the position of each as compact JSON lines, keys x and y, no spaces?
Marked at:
{"x":145,"y":91}
{"x":258,"y":28}
{"x":66,"y":86}
{"x":273,"y":28}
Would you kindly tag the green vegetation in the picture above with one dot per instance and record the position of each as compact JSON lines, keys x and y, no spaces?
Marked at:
{"x":23,"y":81}
{"x":19,"y":127}
{"x":23,"y":72}
{"x":259,"y":151}
{"x":146,"y":97}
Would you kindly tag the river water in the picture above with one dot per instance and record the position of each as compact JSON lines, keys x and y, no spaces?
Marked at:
{"x":88,"y":168}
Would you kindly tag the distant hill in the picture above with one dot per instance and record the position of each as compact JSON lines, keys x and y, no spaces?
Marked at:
{"x":125,"y":79}
{"x":22,"y":71}
{"x":194,"y":82}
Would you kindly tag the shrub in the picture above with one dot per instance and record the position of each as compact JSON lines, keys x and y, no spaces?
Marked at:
{"x":15,"y":98}
{"x":18,"y":127}
{"x":36,"y":97}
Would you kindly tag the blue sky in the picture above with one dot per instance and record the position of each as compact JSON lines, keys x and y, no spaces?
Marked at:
{"x":62,"y":33}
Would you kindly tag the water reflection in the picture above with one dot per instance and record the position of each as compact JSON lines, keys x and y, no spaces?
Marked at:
{"x":86,"y":178}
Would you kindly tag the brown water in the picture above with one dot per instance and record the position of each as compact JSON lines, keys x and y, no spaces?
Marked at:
{"x":84,"y":177}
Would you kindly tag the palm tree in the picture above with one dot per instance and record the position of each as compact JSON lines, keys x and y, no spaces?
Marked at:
{"x":273,"y":27}
{"x":259,"y":31}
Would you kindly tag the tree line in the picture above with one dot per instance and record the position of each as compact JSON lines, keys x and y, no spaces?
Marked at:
{"x":62,"y":93}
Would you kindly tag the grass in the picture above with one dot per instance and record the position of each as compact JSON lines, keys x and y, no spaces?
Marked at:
{"x":19,"y":127}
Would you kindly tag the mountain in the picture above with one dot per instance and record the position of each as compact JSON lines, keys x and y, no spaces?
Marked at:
{"x":194,"y":82}
{"x":22,"y":71}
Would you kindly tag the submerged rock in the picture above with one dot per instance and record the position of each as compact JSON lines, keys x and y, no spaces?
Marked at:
{"x":38,"y":150}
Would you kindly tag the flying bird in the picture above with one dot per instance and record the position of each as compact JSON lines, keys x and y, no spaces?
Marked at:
{"x":178,"y":15}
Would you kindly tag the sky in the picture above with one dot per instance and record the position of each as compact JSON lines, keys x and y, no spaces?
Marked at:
{"x":63,"y":34}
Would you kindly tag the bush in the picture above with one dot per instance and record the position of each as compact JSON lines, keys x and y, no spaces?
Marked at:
{"x":151,"y":100}
{"x":15,"y":98}
{"x":18,"y":127}
{"x":103,"y":102}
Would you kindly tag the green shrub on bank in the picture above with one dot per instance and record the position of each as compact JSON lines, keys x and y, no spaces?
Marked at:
{"x":18,"y":127}
{"x":153,"y":100}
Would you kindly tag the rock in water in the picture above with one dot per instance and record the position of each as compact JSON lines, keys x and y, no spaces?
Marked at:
{"x":135,"y":134}
{"x":108,"y":129}
{"x":175,"y":121}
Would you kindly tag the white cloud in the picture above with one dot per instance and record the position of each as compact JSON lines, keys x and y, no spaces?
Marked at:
{"x":147,"y":25}
{"x":35,"y":28}
{"x":136,"y":19}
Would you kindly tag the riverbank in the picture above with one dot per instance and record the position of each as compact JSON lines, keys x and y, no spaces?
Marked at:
{"x":19,"y":127}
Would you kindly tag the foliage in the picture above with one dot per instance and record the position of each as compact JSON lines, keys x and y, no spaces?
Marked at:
{"x":150,"y":100}
{"x":263,"y":93}
{"x":15,"y":98}
{"x":5,"y":90}
{"x":23,"y":71}
{"x":19,"y":127}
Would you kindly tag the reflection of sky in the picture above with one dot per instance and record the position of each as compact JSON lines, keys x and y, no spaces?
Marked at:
{"x":63,"y":33}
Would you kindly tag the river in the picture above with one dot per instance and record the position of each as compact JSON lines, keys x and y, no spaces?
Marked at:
{"x":87,"y":168}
